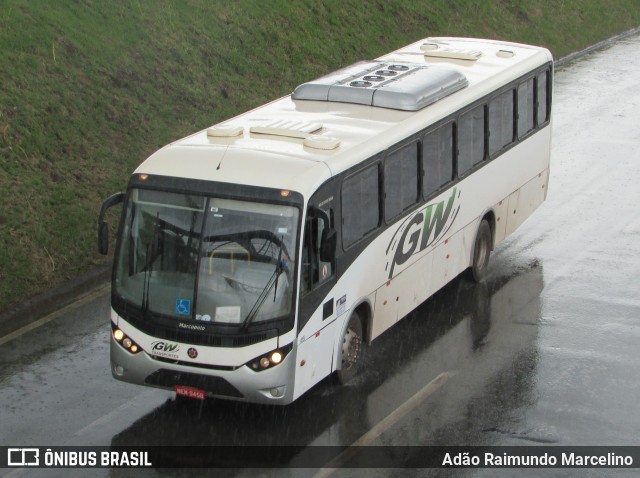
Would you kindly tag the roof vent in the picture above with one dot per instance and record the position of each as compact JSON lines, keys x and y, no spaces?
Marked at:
{"x":505,"y":54}
{"x":429,"y":46}
{"x":452,"y":53}
{"x":401,"y":86}
{"x":225,"y":131}
{"x":298,"y":129}
{"x":290,"y":129}
{"x":321,"y":142}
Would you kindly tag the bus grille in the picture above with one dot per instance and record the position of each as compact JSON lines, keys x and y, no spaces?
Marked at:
{"x":229,"y":368}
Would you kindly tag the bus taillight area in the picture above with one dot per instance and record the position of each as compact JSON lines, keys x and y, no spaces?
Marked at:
{"x":169,"y":366}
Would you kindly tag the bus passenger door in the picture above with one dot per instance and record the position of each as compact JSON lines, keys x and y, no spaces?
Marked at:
{"x":318,"y":250}
{"x":317,"y":308}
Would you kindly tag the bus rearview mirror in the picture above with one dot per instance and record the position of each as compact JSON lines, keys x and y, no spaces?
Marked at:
{"x":103,"y":238}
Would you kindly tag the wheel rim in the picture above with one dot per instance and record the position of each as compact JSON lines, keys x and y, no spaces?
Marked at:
{"x":350,"y":349}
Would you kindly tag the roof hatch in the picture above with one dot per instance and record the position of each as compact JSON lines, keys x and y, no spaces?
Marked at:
{"x":401,"y":86}
{"x":298,"y":129}
{"x":290,"y":129}
{"x":435,"y":50}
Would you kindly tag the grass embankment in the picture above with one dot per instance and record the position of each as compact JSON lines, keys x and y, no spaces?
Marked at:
{"x":90,"y":88}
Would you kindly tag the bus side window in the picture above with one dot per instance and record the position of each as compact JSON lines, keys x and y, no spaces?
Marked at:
{"x":500,"y":122}
{"x":525,"y":108}
{"x":315,"y":270}
{"x":470,"y":139}
{"x":400,"y":181}
{"x":360,"y":205}
{"x":542,"y":97}
{"x":437,"y":159}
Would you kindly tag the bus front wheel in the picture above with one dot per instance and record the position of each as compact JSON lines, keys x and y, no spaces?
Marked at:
{"x":351,"y":350}
{"x":481,"y":252}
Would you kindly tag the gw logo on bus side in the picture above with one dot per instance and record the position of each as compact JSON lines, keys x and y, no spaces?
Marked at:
{"x":423,"y":229}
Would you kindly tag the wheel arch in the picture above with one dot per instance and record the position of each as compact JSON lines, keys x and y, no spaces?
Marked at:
{"x":365,"y":310}
{"x":490,"y":217}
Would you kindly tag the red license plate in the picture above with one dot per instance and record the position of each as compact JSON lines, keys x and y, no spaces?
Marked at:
{"x":190,"y":392}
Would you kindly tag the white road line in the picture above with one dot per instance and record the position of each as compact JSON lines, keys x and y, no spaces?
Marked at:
{"x":384,"y":424}
{"x":88,"y":297}
{"x":127,"y":412}
{"x":16,"y":473}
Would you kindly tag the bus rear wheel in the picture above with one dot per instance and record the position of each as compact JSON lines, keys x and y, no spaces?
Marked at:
{"x":351,"y":350}
{"x":481,"y":252}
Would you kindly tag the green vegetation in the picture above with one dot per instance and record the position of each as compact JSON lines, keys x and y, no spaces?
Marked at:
{"x":90,"y":88}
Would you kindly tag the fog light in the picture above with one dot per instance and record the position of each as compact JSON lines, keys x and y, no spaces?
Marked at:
{"x":264,"y":362}
{"x":119,"y":370}
{"x":118,"y":334}
{"x":277,"y":392}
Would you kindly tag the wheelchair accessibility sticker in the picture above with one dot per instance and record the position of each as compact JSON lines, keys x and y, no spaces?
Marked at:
{"x":183,"y":307}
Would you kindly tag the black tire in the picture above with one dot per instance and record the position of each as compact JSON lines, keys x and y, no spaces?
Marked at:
{"x":352,"y":345}
{"x":481,"y":252}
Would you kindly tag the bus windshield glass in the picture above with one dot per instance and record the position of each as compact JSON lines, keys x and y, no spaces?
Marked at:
{"x":206,"y":259}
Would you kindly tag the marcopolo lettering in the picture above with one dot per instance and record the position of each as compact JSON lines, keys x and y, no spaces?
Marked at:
{"x":423,"y":229}
{"x":191,"y":327}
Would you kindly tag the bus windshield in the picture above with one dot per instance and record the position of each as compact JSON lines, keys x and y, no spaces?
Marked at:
{"x":206,"y":259}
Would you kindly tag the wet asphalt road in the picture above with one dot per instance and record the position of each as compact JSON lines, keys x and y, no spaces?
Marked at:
{"x":545,"y":352}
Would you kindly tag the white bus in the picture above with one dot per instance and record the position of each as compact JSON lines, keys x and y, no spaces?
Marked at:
{"x":259,"y":256}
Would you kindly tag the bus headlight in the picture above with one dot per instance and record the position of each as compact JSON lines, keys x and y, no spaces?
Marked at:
{"x":125,"y":341}
{"x":270,"y":359}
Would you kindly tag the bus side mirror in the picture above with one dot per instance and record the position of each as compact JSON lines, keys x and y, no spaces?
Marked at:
{"x":103,"y":238}
{"x":103,"y":227}
{"x":328,"y":246}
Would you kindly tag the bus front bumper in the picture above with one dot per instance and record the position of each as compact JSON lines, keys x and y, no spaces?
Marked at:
{"x":270,"y":386}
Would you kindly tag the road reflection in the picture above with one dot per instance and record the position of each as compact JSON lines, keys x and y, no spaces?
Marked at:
{"x":483,"y":336}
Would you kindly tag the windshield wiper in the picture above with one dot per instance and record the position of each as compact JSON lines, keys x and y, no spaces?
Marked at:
{"x":280,"y":264}
{"x":146,"y":284}
{"x":273,"y":280}
{"x":145,"y":287}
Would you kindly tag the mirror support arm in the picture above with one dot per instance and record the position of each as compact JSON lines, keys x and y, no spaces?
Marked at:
{"x":103,"y":229}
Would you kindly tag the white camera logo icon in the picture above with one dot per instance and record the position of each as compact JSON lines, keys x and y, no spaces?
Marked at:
{"x":23,"y":457}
